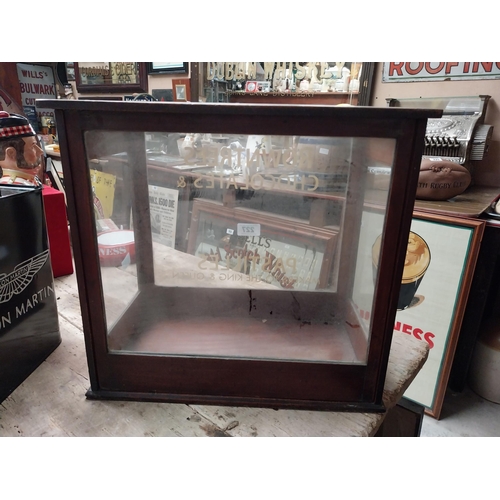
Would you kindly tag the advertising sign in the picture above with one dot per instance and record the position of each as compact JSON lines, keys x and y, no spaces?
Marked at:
{"x":103,"y":186}
{"x":265,"y":248}
{"x":439,"y":265}
{"x":37,"y":82}
{"x":439,"y":71}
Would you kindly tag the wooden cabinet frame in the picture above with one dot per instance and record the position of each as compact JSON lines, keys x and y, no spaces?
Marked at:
{"x":284,"y":383}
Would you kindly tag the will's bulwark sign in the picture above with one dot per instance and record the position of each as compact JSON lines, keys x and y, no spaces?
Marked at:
{"x":439,"y":71}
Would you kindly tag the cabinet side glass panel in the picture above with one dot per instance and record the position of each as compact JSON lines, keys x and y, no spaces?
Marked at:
{"x":245,"y":234}
{"x":112,"y":215}
{"x":379,"y":154}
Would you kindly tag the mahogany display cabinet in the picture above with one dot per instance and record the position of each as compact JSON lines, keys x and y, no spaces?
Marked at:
{"x":234,"y":267}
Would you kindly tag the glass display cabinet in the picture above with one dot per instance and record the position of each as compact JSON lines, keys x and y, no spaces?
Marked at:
{"x":222,"y":251}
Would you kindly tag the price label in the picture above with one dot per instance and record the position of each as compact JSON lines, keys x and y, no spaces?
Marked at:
{"x":248,"y":229}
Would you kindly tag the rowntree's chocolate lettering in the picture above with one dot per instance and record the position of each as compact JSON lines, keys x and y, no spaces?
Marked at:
{"x":255,"y":182}
{"x":215,"y":155}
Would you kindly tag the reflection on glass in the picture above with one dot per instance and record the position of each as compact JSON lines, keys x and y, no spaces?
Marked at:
{"x":229,"y":81}
{"x":245,"y":232}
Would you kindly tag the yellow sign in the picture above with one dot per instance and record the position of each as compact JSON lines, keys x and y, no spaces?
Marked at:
{"x":103,"y":186}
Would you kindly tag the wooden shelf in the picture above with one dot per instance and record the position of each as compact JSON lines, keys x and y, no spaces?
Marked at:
{"x":332,"y":98}
{"x":226,"y":331}
{"x":472,"y":203}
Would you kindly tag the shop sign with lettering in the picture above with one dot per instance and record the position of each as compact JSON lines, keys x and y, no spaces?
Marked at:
{"x":111,"y":77}
{"x":439,"y":71}
{"x":36,"y":82}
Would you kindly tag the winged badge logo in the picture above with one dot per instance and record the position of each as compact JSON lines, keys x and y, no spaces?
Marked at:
{"x":15,"y":282}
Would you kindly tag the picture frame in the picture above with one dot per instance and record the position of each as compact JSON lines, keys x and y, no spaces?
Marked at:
{"x":251,"y":86}
{"x":164,"y":95}
{"x":246,"y":241}
{"x":155,"y":68}
{"x":56,"y":181}
{"x":180,"y":92}
{"x":181,"y":89}
{"x":454,"y":244}
{"x":263,"y":86}
{"x":70,"y":71}
{"x":112,"y":77}
{"x":432,"y":302}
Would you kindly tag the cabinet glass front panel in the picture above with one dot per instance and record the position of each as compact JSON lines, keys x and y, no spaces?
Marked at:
{"x":240,"y":236}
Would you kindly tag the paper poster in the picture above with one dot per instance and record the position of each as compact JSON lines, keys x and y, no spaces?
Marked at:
{"x":103,"y":186}
{"x":163,"y":209}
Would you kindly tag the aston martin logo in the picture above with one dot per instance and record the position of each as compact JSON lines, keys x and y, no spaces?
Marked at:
{"x":16,"y":281}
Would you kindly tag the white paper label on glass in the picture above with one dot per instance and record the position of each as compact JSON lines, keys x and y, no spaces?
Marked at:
{"x":248,"y":229}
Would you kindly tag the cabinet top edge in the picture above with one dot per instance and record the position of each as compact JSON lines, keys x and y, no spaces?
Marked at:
{"x":237,"y":109}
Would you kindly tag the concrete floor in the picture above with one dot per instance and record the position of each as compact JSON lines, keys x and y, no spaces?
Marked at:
{"x":464,"y":414}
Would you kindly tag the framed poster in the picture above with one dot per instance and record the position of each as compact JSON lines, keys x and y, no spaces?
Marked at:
{"x":267,"y":248}
{"x":435,"y":312}
{"x":439,"y":267}
{"x":120,"y":77}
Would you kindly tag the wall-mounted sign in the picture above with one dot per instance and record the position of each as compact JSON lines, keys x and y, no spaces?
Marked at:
{"x":111,"y":77}
{"x":36,"y":82}
{"x":314,"y":72}
{"x":439,"y":71}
